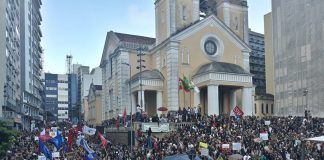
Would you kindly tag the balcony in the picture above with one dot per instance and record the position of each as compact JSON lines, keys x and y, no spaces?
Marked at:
{"x":37,"y":117}
{"x":9,"y":114}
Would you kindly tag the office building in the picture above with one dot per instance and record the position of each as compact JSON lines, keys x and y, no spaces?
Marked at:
{"x":61,"y":96}
{"x":31,"y":64}
{"x":298,"y":48}
{"x":10,"y":82}
{"x":82,"y":70}
{"x":257,"y":62}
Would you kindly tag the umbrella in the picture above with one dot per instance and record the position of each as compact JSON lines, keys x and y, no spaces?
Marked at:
{"x":235,"y":157}
{"x":162,"y":109}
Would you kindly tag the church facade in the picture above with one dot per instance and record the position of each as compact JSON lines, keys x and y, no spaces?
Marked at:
{"x":212,"y":52}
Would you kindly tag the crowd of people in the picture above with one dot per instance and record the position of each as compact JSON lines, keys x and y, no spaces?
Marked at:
{"x":286,"y":139}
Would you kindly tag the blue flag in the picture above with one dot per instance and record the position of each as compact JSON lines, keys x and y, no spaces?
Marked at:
{"x":91,"y":153}
{"x":90,"y":156}
{"x":57,"y":141}
{"x":44,"y":150}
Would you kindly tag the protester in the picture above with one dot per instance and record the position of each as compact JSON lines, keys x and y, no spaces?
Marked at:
{"x":259,"y":138}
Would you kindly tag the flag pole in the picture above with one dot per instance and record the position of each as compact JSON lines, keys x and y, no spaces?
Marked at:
{"x":190,"y":99}
{"x":184,"y":98}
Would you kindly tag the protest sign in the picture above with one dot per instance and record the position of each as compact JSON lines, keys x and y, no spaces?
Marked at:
{"x":236,"y":146}
{"x":225,"y":146}
{"x":204,"y":152}
{"x":264,"y":136}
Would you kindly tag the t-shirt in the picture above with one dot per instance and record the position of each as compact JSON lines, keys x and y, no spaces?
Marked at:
{"x":246,"y":157}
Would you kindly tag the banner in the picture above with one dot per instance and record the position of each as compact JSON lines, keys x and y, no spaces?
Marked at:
{"x":155,"y":127}
{"x":236,"y":146}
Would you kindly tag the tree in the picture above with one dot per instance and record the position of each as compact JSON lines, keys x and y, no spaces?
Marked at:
{"x":7,"y":137}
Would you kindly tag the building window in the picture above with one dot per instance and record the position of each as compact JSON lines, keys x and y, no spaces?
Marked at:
{"x":267,"y":110}
{"x":184,"y":13}
{"x":262,"y":109}
{"x":271,"y":108}
{"x":210,"y":47}
{"x":185,"y":55}
{"x":255,"y":109}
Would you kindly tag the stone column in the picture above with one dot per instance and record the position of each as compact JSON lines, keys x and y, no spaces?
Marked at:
{"x":247,"y":105}
{"x":232,"y":100}
{"x":158,"y":102}
{"x":213,"y":101}
{"x":172,"y":76}
{"x":134,"y":103}
{"x":196,"y":99}
{"x":139,"y":99}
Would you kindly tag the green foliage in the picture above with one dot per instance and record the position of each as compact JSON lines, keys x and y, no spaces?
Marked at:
{"x":7,"y":137}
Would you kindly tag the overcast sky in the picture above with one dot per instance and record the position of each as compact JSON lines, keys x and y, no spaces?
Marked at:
{"x":79,"y":27}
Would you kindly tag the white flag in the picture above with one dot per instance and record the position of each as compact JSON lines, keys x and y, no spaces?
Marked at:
{"x":43,"y":132}
{"x":89,"y":131}
{"x":196,"y":89}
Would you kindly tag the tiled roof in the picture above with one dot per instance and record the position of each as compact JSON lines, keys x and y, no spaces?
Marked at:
{"x":135,"y":38}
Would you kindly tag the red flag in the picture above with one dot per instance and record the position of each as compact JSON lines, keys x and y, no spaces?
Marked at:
{"x":180,"y":84}
{"x":237,"y":111}
{"x":103,"y":139}
{"x":125,"y":115}
{"x":71,"y":138}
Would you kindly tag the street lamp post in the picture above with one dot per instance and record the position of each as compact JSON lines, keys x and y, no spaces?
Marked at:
{"x":130,"y":99}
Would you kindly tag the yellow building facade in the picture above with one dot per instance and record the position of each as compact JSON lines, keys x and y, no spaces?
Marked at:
{"x":94,"y":115}
{"x":212,"y":52}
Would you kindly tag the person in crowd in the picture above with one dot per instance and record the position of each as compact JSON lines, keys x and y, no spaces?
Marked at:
{"x":285,"y":140}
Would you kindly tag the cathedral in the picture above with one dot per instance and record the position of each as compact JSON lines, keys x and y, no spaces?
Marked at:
{"x":206,"y":45}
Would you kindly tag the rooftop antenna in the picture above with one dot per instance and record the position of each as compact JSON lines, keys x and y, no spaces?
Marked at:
{"x":68,"y":64}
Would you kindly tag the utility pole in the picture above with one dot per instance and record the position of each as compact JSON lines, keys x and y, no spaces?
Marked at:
{"x":140,"y":66}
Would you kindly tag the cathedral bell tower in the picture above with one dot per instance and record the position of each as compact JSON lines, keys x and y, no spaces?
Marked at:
{"x":174,"y":15}
{"x":234,"y":13}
